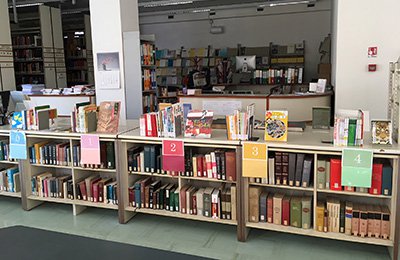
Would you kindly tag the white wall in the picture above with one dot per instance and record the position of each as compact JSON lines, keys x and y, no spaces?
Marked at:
{"x":282,"y":25}
{"x":361,"y":24}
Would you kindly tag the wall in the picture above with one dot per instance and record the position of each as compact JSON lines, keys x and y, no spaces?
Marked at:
{"x":282,"y":25}
{"x":361,"y":24}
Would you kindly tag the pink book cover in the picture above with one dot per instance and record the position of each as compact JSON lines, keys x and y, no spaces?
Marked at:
{"x":173,"y":156}
{"x":108,"y":117}
{"x":90,"y":149}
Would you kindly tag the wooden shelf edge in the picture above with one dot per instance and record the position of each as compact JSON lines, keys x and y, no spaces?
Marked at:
{"x":175,"y":214}
{"x":282,"y":187}
{"x":51,"y":166}
{"x":95,"y":204}
{"x":358,"y":194}
{"x":314,"y":233}
{"x":10,"y":194}
{"x":47,"y":199}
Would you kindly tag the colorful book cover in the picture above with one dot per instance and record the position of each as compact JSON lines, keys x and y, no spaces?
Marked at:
{"x":381,"y":132}
{"x":276,"y":125}
{"x":17,"y":120}
{"x":108,"y":117}
{"x":198,"y":124}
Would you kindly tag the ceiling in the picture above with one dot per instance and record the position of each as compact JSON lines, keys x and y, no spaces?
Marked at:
{"x":149,"y":6}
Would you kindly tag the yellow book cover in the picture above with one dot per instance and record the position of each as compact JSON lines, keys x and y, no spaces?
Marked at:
{"x":276,"y":125}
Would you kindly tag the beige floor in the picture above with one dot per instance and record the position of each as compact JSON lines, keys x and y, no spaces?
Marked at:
{"x":191,"y":237}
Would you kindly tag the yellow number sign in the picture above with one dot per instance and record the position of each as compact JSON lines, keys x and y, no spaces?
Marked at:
{"x":255,"y":159}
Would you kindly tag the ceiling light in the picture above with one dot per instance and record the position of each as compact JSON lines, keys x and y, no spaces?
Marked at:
{"x":201,"y":11}
{"x":26,"y":5}
{"x":164,"y":3}
{"x":285,"y":3}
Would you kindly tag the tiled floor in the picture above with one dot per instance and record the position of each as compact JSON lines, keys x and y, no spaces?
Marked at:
{"x":191,"y":237}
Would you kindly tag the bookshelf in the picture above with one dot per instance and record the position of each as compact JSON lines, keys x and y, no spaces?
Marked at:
{"x":70,"y":168}
{"x":78,"y":49}
{"x":149,"y":80}
{"x":38,"y":48}
{"x":133,"y":139}
{"x":309,"y":143}
{"x":7,"y":76}
{"x":5,"y":163}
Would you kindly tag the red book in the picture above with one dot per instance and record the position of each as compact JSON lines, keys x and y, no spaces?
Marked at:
{"x":286,"y":211}
{"x":336,"y":174}
{"x":95,"y":196}
{"x":376,"y":185}
{"x":199,"y":161}
{"x":46,"y":189}
{"x":131,"y":195}
{"x":270,"y":208}
{"x":82,"y":187}
{"x":230,"y":166}
{"x":147,"y":123}
{"x":101,"y":191}
{"x":204,"y":166}
{"x":182,"y":199}
{"x":214,"y":210}
{"x":154,"y":125}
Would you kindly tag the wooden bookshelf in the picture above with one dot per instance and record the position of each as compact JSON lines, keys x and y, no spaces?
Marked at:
{"x":149,"y":73}
{"x":309,"y":142}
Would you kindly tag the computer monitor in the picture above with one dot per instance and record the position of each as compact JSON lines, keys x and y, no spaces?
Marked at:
{"x":245,"y":63}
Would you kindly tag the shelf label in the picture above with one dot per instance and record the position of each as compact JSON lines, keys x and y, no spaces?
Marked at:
{"x":173,"y":152}
{"x":255,"y":160}
{"x":18,"y":149}
{"x":357,"y":168}
{"x":90,"y":149}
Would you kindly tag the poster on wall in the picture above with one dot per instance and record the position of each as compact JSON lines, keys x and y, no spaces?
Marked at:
{"x":108,"y":71}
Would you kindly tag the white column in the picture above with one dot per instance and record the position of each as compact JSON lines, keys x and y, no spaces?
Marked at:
{"x":359,"y":24}
{"x":115,"y":28}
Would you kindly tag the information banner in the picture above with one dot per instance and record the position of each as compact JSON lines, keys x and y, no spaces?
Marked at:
{"x":357,"y":168}
{"x":18,"y":149}
{"x":255,"y":160}
{"x":90,"y":149}
{"x":173,"y":152}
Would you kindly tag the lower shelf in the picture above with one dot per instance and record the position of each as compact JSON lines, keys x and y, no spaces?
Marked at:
{"x":175,"y":214}
{"x":95,"y":204}
{"x":46,"y":199}
{"x":314,"y":233}
{"x":10,"y":194}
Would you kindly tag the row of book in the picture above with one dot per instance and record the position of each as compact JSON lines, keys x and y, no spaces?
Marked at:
{"x":278,"y":76}
{"x":59,"y":153}
{"x":280,"y":209}
{"x":33,"y":40}
{"x":147,"y":54}
{"x":32,"y":67}
{"x":329,"y":176}
{"x":353,"y":219}
{"x":166,"y":54}
{"x":27,"y":54}
{"x":169,"y":80}
{"x":170,"y":71}
{"x":5,"y":150}
{"x":288,"y":169}
{"x":217,"y":203}
{"x":149,"y":79}
{"x":97,"y":189}
{"x":149,"y":103}
{"x":240,"y":125}
{"x":37,"y":118}
{"x":10,"y":179}
{"x":219,"y":164}
{"x":349,"y":128}
{"x":46,"y":185}
{"x":87,"y":117}
{"x":167,"y":122}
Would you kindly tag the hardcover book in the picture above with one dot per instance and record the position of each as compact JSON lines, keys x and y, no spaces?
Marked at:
{"x":263,"y":207}
{"x":108,"y":117}
{"x":321,"y":174}
{"x":198,"y":124}
{"x":382,"y":131}
{"x":306,"y":212}
{"x":295,"y":212}
{"x":292,"y":168}
{"x":286,"y":210}
{"x":254,"y":197}
{"x":277,"y":206}
{"x":276,"y":125}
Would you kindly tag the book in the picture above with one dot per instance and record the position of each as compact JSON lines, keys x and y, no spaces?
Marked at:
{"x":387,"y":177}
{"x":306,"y":212}
{"x":198,"y":124}
{"x":277,"y":207}
{"x":299,"y":169}
{"x":348,"y":217}
{"x":286,"y":210}
{"x":233,"y":203}
{"x":292,"y":168}
{"x":320,"y":216}
{"x":263,"y":206}
{"x":335,"y":174}
{"x":342,"y":217}
{"x":270,"y":208}
{"x":295,"y":212}
{"x":276,"y":125}
{"x":385,"y":224}
{"x":382,"y":132}
{"x":271,"y":170}
{"x":254,"y":197}
{"x":207,"y":201}
{"x":363,"y":230}
{"x":328,"y":174}
{"x":108,"y":117}
{"x":285,"y":169}
{"x":307,"y":170}
{"x":278,"y":168}
{"x":376,"y":185}
{"x":321,"y":174}
{"x":230,"y":165}
{"x":355,"y":221}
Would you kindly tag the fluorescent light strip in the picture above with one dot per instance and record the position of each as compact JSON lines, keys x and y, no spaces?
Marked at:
{"x":201,"y":11}
{"x":26,"y":5}
{"x":284,"y":3}
{"x":165,"y":3}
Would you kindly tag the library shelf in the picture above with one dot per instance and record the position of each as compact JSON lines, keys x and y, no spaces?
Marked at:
{"x":49,"y":199}
{"x":10,"y":194}
{"x":206,"y":179}
{"x":28,"y":60}
{"x":51,"y":166}
{"x":9,"y":162}
{"x":20,"y":47}
{"x":176,"y":214}
{"x":350,"y":193}
{"x":154,"y":175}
{"x":314,"y":233}
{"x":309,"y":189}
{"x":95,"y":169}
{"x":95,"y":204}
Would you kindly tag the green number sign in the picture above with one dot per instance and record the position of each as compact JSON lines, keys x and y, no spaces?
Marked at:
{"x":357,"y":168}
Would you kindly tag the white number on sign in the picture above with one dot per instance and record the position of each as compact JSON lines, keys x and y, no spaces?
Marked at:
{"x":255,"y":151}
{"x":173,"y":147}
{"x":358,"y":159}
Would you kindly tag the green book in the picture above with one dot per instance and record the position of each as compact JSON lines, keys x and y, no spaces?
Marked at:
{"x":352,"y":132}
{"x":110,"y":155}
{"x":172,"y":199}
{"x":295,"y":212}
{"x":1,"y":150}
{"x":321,"y":174}
{"x":176,"y":200}
{"x":306,"y":212}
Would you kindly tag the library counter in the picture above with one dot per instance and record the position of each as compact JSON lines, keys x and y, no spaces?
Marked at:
{"x":299,"y":105}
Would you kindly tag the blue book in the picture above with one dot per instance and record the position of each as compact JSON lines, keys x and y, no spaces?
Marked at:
{"x":387,"y":178}
{"x":10,"y":177}
{"x":137,"y":195}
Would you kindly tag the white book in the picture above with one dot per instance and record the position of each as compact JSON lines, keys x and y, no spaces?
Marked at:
{"x":271,"y":171}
